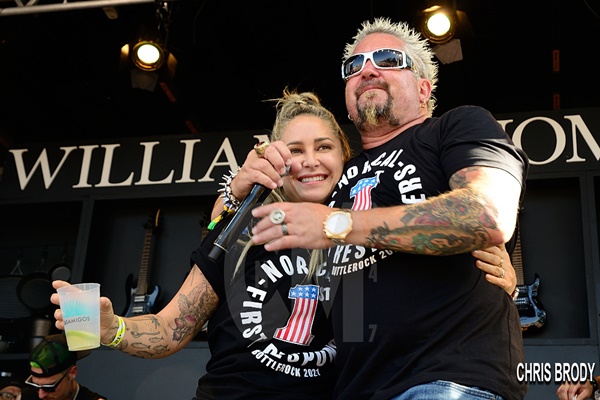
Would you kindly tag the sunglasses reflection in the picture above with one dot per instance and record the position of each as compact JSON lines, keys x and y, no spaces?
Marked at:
{"x":380,"y":58}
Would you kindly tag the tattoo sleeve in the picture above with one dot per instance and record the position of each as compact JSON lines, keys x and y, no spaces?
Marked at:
{"x":455,"y":222}
{"x":155,"y":336}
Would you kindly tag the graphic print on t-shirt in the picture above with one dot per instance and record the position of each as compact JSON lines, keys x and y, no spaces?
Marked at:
{"x":361,"y":192}
{"x":298,"y":328}
{"x":360,"y":181}
{"x":276,"y":311}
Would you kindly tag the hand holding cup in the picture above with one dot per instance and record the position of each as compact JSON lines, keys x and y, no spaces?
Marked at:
{"x":80,"y":306}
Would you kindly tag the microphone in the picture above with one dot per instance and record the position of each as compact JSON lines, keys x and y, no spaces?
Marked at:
{"x":239,"y":221}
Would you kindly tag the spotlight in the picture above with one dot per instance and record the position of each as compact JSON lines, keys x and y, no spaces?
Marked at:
{"x":443,"y":25}
{"x":146,"y":64}
{"x":148,"y":55}
{"x":439,"y":24}
{"x":147,"y":59}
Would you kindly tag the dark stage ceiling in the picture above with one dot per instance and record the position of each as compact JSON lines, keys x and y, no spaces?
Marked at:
{"x":60,"y":77}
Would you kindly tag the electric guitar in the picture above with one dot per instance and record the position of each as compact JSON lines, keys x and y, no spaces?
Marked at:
{"x":530,"y":308}
{"x":139,"y":300}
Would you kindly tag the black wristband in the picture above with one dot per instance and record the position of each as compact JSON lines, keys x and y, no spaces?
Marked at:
{"x":594,"y":385}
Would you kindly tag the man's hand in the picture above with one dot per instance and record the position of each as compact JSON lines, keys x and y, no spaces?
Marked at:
{"x":575,"y":391}
{"x":304,"y":222}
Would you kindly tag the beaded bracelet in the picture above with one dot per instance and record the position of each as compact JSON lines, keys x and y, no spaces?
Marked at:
{"x":119,"y":336}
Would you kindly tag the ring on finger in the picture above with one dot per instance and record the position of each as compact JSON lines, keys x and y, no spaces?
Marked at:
{"x":503,"y":273}
{"x":284,"y":228}
{"x":277,"y":216}
{"x":260,"y":149}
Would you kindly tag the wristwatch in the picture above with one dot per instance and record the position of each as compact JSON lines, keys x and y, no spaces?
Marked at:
{"x":594,"y":383}
{"x":337,"y":226}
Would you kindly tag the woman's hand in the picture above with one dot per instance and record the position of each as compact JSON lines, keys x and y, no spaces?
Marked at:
{"x":267,"y":170}
{"x":107,"y":314}
{"x":495,"y":261}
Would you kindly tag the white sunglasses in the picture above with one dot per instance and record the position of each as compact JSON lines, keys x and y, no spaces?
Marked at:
{"x":381,"y":58}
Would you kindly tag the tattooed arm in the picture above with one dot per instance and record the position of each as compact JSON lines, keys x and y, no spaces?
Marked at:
{"x":479,"y":211}
{"x":162,"y":334}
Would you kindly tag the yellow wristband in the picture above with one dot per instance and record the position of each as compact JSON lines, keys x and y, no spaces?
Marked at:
{"x":119,"y":336}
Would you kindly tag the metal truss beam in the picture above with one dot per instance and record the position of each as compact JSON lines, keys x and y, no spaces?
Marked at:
{"x":33,"y":6}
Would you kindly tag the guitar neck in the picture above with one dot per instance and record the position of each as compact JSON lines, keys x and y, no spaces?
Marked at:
{"x":517,"y":259}
{"x":142,"y":281}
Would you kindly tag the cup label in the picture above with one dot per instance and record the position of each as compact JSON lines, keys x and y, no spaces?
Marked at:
{"x":85,"y":318}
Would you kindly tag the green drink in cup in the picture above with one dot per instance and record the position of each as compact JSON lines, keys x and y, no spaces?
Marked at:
{"x":80,"y":305}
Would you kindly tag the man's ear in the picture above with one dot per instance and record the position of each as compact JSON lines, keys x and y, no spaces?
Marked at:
{"x":424,"y":90}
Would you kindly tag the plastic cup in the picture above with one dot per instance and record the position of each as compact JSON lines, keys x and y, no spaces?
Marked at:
{"x":80,"y":305}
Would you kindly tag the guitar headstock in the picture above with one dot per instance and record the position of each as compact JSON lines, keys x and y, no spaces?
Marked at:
{"x":153,"y":220}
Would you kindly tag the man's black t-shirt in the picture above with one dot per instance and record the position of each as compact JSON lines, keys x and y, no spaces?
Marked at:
{"x":403,"y":319}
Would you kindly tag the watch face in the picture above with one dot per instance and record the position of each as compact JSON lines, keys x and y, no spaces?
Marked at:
{"x":338,"y":223}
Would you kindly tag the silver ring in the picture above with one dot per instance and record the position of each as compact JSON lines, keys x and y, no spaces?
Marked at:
{"x":277,"y":216}
{"x":503,"y":273}
{"x":284,"y":229}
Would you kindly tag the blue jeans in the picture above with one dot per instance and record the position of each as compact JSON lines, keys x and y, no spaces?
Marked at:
{"x":443,"y":390}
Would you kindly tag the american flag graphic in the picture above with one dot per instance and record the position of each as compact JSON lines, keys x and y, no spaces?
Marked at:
{"x":362,"y":193}
{"x":299,"y":325}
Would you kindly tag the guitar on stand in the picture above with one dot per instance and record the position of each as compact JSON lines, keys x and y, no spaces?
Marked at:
{"x":139,"y":300}
{"x":530,"y":308}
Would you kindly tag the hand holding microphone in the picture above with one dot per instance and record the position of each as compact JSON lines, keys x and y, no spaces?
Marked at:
{"x":242,"y":216}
